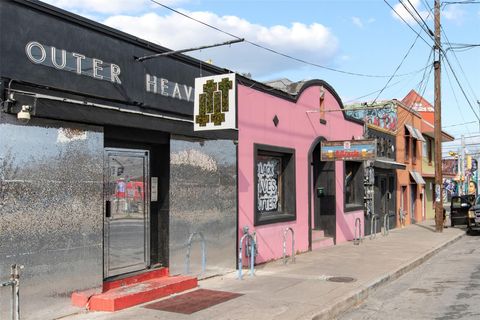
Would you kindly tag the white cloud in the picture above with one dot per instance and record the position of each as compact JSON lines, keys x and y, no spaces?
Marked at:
{"x":453,"y":13}
{"x":357,"y":21}
{"x":108,"y":6}
{"x":402,"y":11}
{"x":361,"y":23}
{"x":312,"y":42}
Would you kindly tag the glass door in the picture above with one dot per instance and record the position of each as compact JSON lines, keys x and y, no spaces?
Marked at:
{"x":127,"y":203}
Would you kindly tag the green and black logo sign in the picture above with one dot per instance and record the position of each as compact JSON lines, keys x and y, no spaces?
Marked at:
{"x":214,"y":102}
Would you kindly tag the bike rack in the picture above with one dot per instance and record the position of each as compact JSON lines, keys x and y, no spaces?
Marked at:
{"x":358,"y":228}
{"x":386,"y":227}
{"x":285,"y":245}
{"x":252,"y":255}
{"x":189,"y":248}
{"x":14,"y":282}
{"x":373,"y":226}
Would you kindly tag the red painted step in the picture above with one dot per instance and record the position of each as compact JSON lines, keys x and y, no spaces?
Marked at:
{"x":130,"y":291}
{"x":131,"y":295}
{"x":157,"y":273}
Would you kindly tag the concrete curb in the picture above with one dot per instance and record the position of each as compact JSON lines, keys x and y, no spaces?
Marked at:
{"x":347,"y":302}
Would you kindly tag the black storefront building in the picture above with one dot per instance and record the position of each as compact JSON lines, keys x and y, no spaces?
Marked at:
{"x":385,"y":180}
{"x":101,"y":173}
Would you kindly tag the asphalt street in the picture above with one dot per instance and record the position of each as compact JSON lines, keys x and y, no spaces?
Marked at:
{"x":445,"y":287}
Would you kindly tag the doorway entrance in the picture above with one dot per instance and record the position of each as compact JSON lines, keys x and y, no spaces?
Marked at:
{"x":324,"y":202}
{"x":127,"y":204}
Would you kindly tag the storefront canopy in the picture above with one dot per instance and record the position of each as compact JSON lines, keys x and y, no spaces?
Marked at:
{"x":415,"y":133}
{"x":417,"y":177}
{"x":385,"y":163}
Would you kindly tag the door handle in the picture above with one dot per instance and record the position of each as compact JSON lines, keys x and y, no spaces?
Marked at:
{"x":108,"y":212}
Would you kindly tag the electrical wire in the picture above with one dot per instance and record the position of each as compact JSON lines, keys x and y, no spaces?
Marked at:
{"x":423,"y":25}
{"x":278,"y":52}
{"x":430,"y":32}
{"x":417,"y":33}
{"x":460,"y":124}
{"x":472,"y":92}
{"x":456,"y":101}
{"x":445,"y":58}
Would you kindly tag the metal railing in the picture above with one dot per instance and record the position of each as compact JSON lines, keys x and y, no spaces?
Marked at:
{"x":285,"y":245}
{"x":252,"y":254}
{"x":189,"y":249}
{"x":358,"y":228}
{"x":386,"y":225}
{"x":14,"y":282}
{"x":373,"y":226}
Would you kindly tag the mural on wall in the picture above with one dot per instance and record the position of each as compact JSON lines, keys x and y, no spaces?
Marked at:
{"x":450,"y":187}
{"x":380,"y":115}
{"x":450,"y":167}
{"x":471,"y":176}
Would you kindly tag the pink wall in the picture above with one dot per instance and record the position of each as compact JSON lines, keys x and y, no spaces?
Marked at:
{"x":298,"y":129}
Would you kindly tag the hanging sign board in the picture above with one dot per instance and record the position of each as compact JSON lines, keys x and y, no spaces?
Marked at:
{"x":359,"y":150}
{"x":215,"y":103}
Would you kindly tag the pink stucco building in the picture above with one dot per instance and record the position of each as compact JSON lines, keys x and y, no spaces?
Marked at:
{"x":281,"y":180}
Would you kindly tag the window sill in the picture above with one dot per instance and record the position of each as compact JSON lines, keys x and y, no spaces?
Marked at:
{"x":274,"y":218}
{"x":353,"y":207}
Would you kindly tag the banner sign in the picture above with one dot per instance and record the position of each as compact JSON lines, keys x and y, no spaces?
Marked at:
{"x":215,"y":103}
{"x":349,"y":150}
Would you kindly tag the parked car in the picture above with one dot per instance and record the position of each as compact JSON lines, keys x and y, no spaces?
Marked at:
{"x":459,"y":209}
{"x":474,"y":216}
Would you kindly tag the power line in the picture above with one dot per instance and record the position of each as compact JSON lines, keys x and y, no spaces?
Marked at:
{"x":398,"y":67}
{"x":444,"y":4}
{"x":422,"y":25}
{"x":460,"y":86}
{"x":430,"y":32}
{"x":275,"y":51}
{"x":456,"y":99}
{"x":417,"y":33}
{"x":461,"y":69}
{"x":460,"y":124}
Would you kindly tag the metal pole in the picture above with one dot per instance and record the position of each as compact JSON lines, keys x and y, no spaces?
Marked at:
{"x":438,"y":122}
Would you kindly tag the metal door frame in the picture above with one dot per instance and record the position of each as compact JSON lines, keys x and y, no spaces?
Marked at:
{"x":106,"y":168}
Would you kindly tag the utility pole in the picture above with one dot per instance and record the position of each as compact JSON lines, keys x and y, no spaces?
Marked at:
{"x":438,"y":123}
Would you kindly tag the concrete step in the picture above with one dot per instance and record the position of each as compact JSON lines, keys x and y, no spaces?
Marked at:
{"x":133,"y":290}
{"x":323,"y":242}
{"x":317,"y":234}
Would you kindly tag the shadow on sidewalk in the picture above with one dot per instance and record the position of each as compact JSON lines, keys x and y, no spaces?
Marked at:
{"x":427,"y":227}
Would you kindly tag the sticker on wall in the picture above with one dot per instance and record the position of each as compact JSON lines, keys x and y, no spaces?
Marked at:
{"x":215,"y":103}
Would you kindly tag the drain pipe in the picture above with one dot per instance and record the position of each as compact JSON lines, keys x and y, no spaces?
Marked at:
{"x":373,"y":226}
{"x":285,"y":245}
{"x":358,"y":228}
{"x":14,"y":282}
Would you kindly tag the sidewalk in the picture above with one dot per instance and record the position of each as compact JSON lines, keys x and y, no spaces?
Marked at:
{"x":302,"y":290}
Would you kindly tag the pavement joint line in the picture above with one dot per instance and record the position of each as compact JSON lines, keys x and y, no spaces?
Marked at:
{"x":345,"y":303}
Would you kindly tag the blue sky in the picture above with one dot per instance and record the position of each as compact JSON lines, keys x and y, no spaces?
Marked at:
{"x":356,"y":36}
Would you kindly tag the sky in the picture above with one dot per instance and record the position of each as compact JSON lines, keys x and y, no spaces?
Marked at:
{"x":365,"y":41}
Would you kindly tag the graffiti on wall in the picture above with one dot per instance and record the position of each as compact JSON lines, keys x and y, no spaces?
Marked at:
{"x":383,"y":116}
{"x":268,"y":188}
